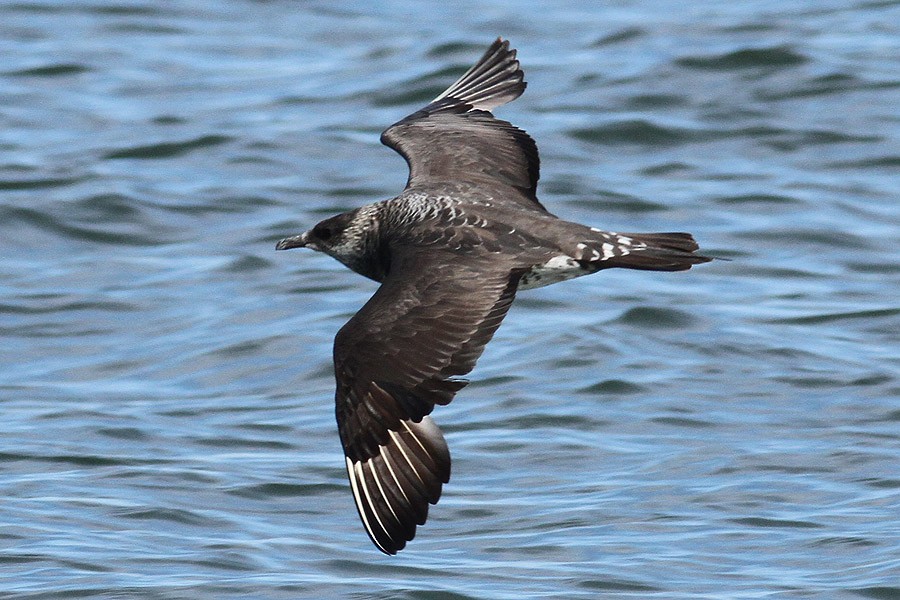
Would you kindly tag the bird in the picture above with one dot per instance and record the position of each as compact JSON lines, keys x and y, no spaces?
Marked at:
{"x":450,"y":252}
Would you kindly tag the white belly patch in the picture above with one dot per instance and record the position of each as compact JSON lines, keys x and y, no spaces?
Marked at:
{"x":558,"y":268}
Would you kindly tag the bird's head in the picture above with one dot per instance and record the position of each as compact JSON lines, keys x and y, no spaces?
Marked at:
{"x":350,"y":237}
{"x":332,"y":236}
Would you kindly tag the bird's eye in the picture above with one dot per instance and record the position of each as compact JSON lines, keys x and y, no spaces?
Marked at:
{"x":324,"y":233}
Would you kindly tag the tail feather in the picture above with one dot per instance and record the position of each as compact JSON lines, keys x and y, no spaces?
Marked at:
{"x":642,"y":251}
{"x":683,"y":242}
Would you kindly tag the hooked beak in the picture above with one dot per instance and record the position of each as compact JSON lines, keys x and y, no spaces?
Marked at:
{"x":297,"y":241}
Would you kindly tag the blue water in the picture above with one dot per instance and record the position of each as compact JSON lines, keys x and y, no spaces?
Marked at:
{"x":167,"y":422}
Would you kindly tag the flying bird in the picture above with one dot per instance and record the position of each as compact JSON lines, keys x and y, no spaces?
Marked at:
{"x":450,"y":252}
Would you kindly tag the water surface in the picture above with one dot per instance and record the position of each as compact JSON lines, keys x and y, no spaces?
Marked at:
{"x":729,"y":432}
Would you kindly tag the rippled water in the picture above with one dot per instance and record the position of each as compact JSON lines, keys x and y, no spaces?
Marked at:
{"x":167,"y":422}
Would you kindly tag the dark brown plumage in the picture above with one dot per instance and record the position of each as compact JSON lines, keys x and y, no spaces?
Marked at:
{"x":450,"y":252}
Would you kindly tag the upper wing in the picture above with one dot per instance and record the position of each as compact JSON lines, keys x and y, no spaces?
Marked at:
{"x":401,"y":354}
{"x":456,"y":140}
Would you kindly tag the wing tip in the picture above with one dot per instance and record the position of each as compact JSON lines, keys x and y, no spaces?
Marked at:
{"x":495,"y":79}
{"x":393,"y":489}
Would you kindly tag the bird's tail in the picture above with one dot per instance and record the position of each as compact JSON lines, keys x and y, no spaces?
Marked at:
{"x":643,"y":251}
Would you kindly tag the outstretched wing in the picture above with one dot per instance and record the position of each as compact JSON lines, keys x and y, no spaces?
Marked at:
{"x":455,"y":139}
{"x":401,"y":354}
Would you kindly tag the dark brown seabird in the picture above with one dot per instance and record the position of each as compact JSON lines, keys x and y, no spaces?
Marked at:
{"x":450,"y":252}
